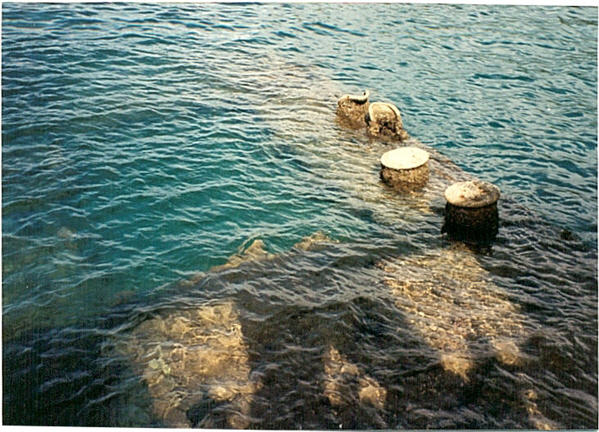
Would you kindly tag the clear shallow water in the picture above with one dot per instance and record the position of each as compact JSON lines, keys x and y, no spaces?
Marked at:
{"x":145,"y":144}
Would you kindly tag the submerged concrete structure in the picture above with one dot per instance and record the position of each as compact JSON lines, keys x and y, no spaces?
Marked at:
{"x":195,"y":361}
{"x":194,"y":357}
{"x":450,"y":300}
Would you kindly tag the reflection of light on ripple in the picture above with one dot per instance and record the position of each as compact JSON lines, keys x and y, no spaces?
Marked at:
{"x":535,"y":416}
{"x":188,"y":356}
{"x":255,"y":252}
{"x":339,"y":373}
{"x":452,"y":303}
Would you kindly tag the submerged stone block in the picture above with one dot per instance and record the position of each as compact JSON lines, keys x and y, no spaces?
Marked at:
{"x":190,"y":358}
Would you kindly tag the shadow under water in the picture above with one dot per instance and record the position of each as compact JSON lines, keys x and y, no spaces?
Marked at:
{"x":442,"y":345}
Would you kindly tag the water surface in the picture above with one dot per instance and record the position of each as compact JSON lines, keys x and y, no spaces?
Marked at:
{"x":144,"y":145}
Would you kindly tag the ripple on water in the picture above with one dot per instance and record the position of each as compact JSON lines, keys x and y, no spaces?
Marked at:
{"x":149,"y":151}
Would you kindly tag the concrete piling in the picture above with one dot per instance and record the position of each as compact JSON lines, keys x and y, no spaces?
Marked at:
{"x":471,"y":211}
{"x":405,"y":168}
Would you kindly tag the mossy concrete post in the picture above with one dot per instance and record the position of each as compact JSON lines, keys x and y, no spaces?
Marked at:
{"x":405,"y":168}
{"x":471,"y":211}
{"x":352,"y":109}
{"x":384,"y":120}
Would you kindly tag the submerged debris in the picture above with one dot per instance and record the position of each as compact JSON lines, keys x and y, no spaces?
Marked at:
{"x":257,"y":252}
{"x":314,"y":241}
{"x":195,"y":359}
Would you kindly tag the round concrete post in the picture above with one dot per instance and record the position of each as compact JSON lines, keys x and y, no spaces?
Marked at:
{"x":471,"y":211}
{"x":405,"y":168}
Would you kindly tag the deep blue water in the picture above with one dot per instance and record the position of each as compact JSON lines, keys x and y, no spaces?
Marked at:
{"x":142,"y":145}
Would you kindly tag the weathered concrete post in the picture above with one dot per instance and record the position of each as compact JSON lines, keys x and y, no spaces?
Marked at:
{"x":405,"y":168}
{"x":352,"y":109}
{"x":384,"y":120}
{"x":471,"y":211}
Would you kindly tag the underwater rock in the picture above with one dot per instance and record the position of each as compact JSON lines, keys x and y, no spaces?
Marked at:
{"x":384,"y":120}
{"x":352,"y":109}
{"x":471,"y":211}
{"x":188,"y":356}
{"x":449,"y":299}
{"x":405,"y":168}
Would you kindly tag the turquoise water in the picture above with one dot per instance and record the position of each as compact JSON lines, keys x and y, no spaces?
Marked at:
{"x":142,"y":145}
